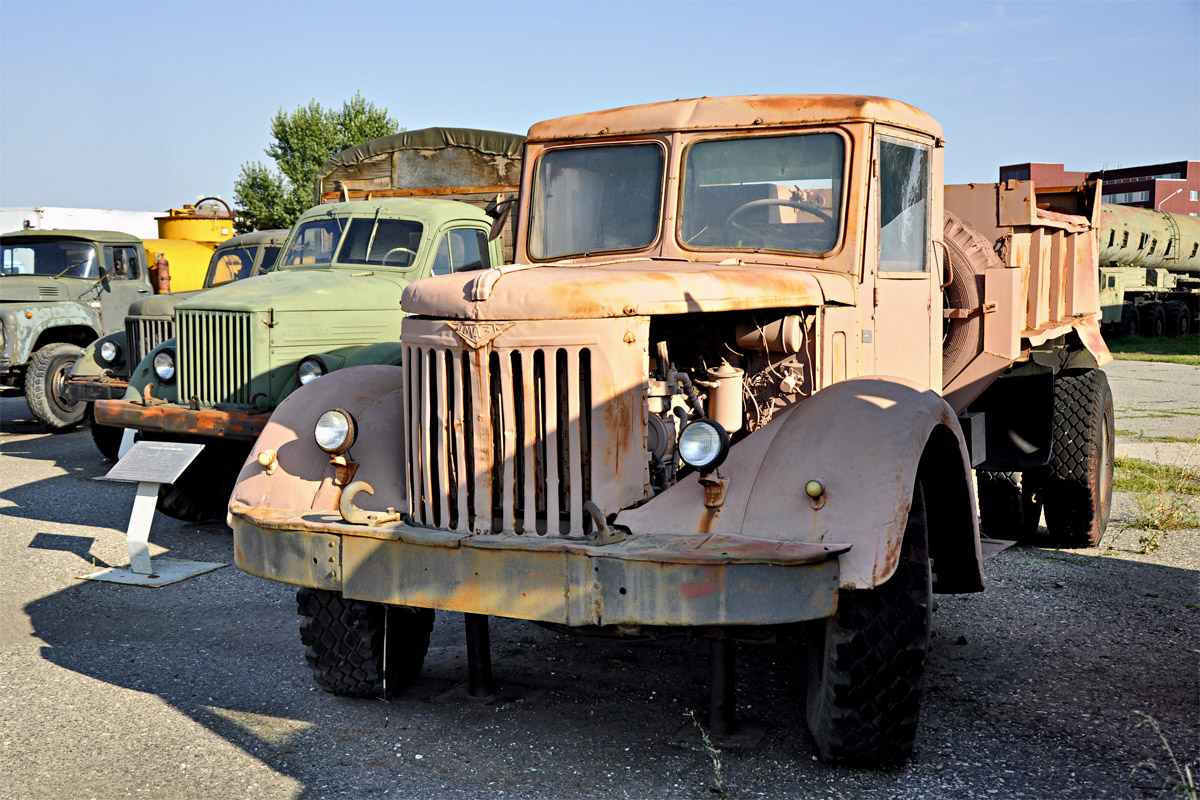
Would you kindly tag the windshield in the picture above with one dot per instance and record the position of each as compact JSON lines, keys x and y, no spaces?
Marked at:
{"x":595,"y":199}
{"x":67,"y":258}
{"x":313,"y":244}
{"x":229,"y":265}
{"x":766,"y":192}
{"x":384,"y":243}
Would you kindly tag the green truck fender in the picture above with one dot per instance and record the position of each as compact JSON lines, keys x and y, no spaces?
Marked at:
{"x":301,"y":474}
{"x":142,"y":375}
{"x":90,"y":365}
{"x":387,"y":353}
{"x":865,"y":441}
{"x":28,"y":326}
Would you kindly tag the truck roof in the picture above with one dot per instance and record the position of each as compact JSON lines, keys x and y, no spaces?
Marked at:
{"x":55,"y":233}
{"x":745,"y":111}
{"x":426,"y":208}
{"x":276,"y":236}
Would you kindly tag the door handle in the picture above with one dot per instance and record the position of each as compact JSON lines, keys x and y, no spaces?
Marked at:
{"x":143,"y":290}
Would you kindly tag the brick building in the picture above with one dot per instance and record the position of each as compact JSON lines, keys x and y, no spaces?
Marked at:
{"x":1173,"y":187}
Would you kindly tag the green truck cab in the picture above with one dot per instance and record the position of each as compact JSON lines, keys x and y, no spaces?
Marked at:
{"x":59,"y":291}
{"x":102,"y":371}
{"x":333,"y":300}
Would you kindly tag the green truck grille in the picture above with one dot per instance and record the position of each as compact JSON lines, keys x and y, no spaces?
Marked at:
{"x":214,"y":357}
{"x":143,"y":334}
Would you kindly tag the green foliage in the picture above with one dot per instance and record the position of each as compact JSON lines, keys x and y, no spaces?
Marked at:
{"x":302,"y":140}
{"x":1183,"y":350}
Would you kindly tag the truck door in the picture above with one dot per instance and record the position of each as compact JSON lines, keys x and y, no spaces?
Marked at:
{"x":126,"y":282}
{"x":907,"y":314}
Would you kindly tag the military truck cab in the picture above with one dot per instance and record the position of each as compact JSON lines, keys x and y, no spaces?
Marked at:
{"x":59,"y":291}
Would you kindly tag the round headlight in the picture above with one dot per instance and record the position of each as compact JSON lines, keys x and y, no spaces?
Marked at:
{"x":110,"y":352}
{"x":335,"y":431}
{"x":164,"y":365}
{"x":310,"y":369}
{"x":703,"y":444}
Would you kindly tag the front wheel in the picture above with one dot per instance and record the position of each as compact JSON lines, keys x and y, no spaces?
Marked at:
{"x":362,"y":649}
{"x":44,"y":387}
{"x":201,"y":493}
{"x":1076,"y":486}
{"x":106,"y":438}
{"x":867,"y":662}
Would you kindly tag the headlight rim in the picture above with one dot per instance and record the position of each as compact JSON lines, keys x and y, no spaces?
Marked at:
{"x":723,"y":442}
{"x":351,"y":432}
{"x":313,"y":359}
{"x":169,"y":353}
{"x":117,"y":357}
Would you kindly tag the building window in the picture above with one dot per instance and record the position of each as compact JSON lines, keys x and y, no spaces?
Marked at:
{"x":1194,"y":195}
{"x":1128,"y":197}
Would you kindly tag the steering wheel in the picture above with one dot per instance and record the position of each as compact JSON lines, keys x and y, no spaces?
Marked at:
{"x":413,"y":255}
{"x":816,"y":211}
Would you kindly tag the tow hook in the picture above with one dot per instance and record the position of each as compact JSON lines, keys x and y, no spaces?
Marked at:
{"x":602,"y":534}
{"x":357,"y":516}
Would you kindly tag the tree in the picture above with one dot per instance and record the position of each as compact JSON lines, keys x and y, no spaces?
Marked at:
{"x":302,"y":140}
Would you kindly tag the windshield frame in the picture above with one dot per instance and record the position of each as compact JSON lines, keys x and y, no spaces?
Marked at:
{"x":664,"y":146}
{"x":848,"y":156}
{"x":97,"y":262}
{"x":344,"y":226}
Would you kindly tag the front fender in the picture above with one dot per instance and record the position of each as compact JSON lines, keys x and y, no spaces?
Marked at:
{"x":25,"y":323}
{"x":302,"y":476}
{"x":864,"y":440}
{"x":143,"y":375}
{"x":362,"y":355}
{"x":90,"y":365}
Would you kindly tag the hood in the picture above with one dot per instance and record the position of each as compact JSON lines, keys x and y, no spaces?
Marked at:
{"x":159,"y":305}
{"x":626,"y":288}
{"x":304,"y":290}
{"x":41,"y":288}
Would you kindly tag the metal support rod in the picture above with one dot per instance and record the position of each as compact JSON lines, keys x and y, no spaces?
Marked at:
{"x":479,"y":657}
{"x":722,"y":712}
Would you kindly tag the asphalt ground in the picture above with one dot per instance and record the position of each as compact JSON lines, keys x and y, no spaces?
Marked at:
{"x":200,"y":689}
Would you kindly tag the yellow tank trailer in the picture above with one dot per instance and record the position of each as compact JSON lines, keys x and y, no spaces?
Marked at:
{"x":187,"y":238}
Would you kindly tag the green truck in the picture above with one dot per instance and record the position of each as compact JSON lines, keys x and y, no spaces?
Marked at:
{"x":332,"y":301}
{"x":60,"y":290}
{"x":102,"y":370}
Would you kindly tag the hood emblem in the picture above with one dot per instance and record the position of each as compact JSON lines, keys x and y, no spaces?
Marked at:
{"x":477,"y":334}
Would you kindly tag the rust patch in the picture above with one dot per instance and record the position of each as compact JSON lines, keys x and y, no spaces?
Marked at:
{"x":179,"y":420}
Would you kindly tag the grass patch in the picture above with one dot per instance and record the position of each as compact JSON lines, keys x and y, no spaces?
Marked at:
{"x":1148,"y":477}
{"x":1184,"y":350}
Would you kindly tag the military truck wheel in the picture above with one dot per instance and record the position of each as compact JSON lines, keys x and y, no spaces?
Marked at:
{"x":867,"y":662}
{"x":106,"y":438}
{"x":1007,"y":509}
{"x":1154,"y":320}
{"x":1176,"y":320}
{"x":202,"y":492}
{"x":362,"y":649}
{"x":1131,"y":322}
{"x":1076,"y":486}
{"x":44,"y":391}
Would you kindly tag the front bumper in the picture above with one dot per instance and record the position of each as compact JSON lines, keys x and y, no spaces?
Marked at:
{"x":648,"y":579}
{"x":94,"y":388}
{"x":181,"y":420}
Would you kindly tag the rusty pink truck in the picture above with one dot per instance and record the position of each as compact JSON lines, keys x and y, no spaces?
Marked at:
{"x":735,"y":383}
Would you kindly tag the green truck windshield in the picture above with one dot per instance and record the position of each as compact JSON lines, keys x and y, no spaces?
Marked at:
{"x":66,"y":258}
{"x":364,"y":241}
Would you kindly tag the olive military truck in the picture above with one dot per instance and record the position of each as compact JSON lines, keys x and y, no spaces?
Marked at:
{"x":59,"y":291}
{"x":734,"y":383}
{"x":102,"y":370}
{"x":332,"y":301}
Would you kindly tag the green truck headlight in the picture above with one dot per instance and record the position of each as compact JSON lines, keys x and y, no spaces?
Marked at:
{"x":164,"y":365}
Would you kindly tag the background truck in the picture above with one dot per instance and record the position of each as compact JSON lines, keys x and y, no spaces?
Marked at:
{"x":102,"y":370}
{"x":332,"y":301}
{"x":734,"y":385}
{"x":1150,"y":271}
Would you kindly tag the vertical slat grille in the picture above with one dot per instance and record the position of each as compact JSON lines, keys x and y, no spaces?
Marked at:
{"x":214,"y":357}
{"x":499,"y":441}
{"x":144,"y":334}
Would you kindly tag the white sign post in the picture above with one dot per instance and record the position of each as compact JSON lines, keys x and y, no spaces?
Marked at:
{"x":151,"y":464}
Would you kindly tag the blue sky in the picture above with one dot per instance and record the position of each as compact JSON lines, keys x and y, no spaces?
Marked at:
{"x":147,"y":105}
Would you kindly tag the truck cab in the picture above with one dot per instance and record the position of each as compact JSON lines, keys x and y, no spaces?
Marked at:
{"x":59,"y":291}
{"x":734,"y":383}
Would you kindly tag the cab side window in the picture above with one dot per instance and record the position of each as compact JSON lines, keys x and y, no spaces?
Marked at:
{"x":462,"y":249}
{"x":122,"y":263}
{"x":904,"y":200}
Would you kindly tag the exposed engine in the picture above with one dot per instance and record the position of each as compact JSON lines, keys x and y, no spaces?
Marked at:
{"x":736,"y":368}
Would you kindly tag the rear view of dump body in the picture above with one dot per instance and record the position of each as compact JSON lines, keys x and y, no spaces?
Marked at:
{"x":718,"y":389}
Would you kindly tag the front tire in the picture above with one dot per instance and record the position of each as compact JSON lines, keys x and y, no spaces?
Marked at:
{"x":1076,"y":486}
{"x":106,"y":438}
{"x":867,"y":662}
{"x":361,"y":649}
{"x":201,"y":494}
{"x":44,"y":390}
